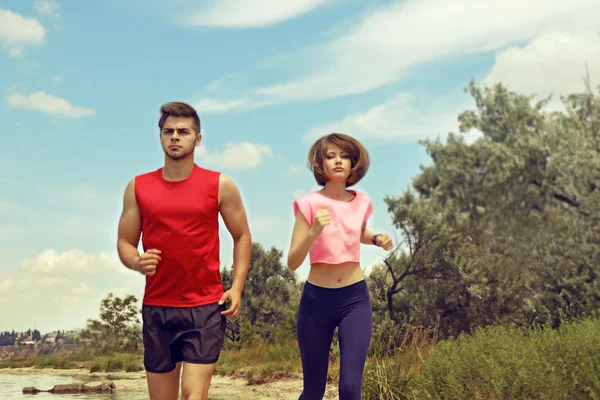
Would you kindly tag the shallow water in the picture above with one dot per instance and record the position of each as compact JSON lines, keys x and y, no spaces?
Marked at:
{"x":11,"y":387}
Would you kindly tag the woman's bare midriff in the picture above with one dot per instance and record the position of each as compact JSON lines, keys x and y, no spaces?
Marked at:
{"x":335,"y":275}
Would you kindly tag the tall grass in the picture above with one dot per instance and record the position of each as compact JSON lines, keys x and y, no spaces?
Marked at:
{"x":503,"y":363}
{"x":117,"y":363}
{"x":128,"y":362}
{"x":40,"y":362}
{"x":390,"y":377}
{"x":260,"y":362}
{"x":493,"y":363}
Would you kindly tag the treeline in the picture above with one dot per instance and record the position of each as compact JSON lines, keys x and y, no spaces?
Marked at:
{"x":10,"y":338}
{"x":503,"y":230}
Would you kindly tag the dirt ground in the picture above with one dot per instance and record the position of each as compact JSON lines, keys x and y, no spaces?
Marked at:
{"x":222,"y":388}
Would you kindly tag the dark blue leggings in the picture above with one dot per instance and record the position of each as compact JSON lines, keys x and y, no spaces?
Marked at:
{"x":321,"y":311}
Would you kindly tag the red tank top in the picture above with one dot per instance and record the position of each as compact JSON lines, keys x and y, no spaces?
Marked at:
{"x":181,"y":219}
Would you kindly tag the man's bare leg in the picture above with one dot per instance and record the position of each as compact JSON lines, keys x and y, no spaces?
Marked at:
{"x":195,"y":381}
{"x":164,"y":386}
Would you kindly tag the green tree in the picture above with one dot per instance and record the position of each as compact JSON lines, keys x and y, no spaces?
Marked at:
{"x":502,"y":230}
{"x":269,"y":301}
{"x":421,"y":282}
{"x":7,"y":339}
{"x":118,"y":327}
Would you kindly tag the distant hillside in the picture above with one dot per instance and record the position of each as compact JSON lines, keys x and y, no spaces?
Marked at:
{"x":9,"y":353}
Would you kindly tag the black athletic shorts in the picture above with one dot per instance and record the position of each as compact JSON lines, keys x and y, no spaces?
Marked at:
{"x":172,"y":334}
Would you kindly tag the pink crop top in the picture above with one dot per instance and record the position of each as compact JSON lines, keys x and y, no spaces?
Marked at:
{"x":340,"y":240}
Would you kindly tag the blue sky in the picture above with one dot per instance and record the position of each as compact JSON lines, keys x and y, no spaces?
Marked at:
{"x":82,"y":82}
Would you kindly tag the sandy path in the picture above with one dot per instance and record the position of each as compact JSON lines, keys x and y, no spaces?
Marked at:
{"x":222,"y":388}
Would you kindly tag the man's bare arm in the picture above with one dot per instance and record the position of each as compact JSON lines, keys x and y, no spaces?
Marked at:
{"x":234,"y":216}
{"x":130,"y":227}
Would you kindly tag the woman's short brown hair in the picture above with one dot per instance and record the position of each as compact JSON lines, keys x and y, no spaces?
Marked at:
{"x":359,"y":157}
{"x":178,"y":109}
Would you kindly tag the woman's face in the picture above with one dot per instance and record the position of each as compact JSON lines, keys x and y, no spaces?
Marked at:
{"x":337,"y":163}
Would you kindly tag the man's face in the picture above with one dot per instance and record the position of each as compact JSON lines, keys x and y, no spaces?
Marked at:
{"x":178,"y":137}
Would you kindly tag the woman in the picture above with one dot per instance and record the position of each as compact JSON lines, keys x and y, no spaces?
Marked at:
{"x":330,"y":226}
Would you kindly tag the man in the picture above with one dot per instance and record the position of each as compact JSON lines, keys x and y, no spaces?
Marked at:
{"x":175,"y":210}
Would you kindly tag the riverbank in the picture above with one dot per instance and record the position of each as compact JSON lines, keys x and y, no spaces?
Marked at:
{"x":491,"y":363}
{"x":257,"y":362}
{"x":222,"y":387}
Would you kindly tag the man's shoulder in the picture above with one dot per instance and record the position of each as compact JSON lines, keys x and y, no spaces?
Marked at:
{"x":206,"y":176}
{"x":143,"y":178}
{"x":207,"y":171}
{"x":147,"y":175}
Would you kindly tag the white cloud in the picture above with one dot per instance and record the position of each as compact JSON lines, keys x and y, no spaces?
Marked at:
{"x":45,"y":281}
{"x":385,"y":44}
{"x":6,"y":284}
{"x":214,"y":86}
{"x":227,"y":82}
{"x":17,"y":32}
{"x":72,"y":281}
{"x":66,"y":299}
{"x":247,"y":13}
{"x":49,"y":104}
{"x":240,"y":155}
{"x":211,"y":106}
{"x":16,"y":52}
{"x":405,"y":116}
{"x":81,"y":289}
{"x":51,"y":262}
{"x":47,"y":8}
{"x":552,"y":64}
{"x":122,"y":291}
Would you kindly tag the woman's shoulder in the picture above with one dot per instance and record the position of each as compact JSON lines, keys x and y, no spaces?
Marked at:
{"x":307,"y":198}
{"x":361,"y":195}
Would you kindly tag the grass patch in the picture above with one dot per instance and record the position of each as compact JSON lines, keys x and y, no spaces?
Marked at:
{"x":40,"y":362}
{"x":503,"y":363}
{"x":260,"y":362}
{"x":120,"y":362}
{"x":110,"y":363}
{"x":494,"y":363}
{"x":391,"y":377}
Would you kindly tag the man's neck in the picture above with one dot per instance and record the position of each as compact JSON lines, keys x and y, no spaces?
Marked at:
{"x":177,"y":170}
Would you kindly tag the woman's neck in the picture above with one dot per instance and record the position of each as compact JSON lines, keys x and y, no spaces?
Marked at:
{"x":335,"y":190}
